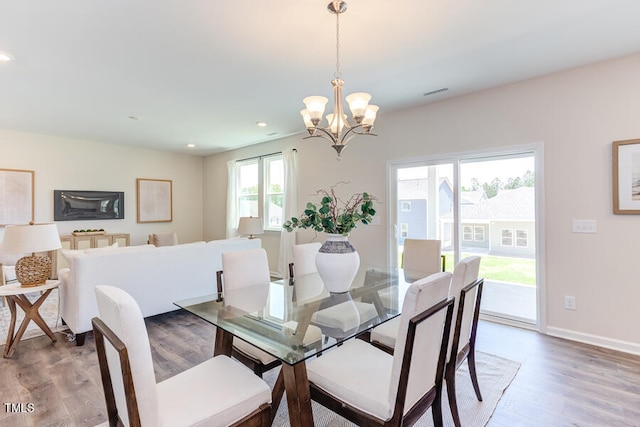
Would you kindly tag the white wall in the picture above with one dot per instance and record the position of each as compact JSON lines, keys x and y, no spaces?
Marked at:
{"x":67,"y":164}
{"x":575,"y":115}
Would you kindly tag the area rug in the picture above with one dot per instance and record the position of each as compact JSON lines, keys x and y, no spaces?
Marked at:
{"x":494,"y":376}
{"x":48,"y":311}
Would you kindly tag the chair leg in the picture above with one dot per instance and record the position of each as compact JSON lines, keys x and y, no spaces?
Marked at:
{"x":450,"y":378}
{"x":471,"y":361}
{"x":436,"y":410}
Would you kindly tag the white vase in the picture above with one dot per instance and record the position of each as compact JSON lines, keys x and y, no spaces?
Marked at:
{"x":337,"y":263}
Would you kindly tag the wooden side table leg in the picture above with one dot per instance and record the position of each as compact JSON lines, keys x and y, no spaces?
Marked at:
{"x":9,"y":347}
{"x":32,"y":312}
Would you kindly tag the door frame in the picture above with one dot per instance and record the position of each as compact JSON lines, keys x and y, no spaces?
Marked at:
{"x":455,"y":158}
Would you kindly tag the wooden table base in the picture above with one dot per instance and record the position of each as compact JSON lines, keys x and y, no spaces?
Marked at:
{"x":30,"y":313}
{"x":292,"y":379}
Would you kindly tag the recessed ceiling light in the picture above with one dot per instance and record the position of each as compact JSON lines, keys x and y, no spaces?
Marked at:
{"x":5,"y":57}
{"x":261,"y":124}
{"x":191,"y":145}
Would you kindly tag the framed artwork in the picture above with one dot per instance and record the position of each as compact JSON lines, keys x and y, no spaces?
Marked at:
{"x":16,"y":196}
{"x":154,"y":200}
{"x":626,"y":177}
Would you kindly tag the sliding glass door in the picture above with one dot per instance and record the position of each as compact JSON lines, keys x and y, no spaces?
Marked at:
{"x":476,"y":205}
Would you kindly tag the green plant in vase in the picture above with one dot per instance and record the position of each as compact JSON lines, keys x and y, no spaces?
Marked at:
{"x":337,"y":260}
{"x":332,"y":215}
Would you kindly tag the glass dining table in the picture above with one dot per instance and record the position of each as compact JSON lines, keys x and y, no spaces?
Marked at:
{"x":297,"y":319}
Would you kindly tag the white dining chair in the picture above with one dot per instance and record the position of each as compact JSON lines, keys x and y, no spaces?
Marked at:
{"x":467,"y":289}
{"x":371,"y":387}
{"x":304,"y":259}
{"x":198,"y":396}
{"x":422,"y":257}
{"x":250,"y":269}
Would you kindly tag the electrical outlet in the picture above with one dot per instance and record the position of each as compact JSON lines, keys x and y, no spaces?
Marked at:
{"x":569,"y":302}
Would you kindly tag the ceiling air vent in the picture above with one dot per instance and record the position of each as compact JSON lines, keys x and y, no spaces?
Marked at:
{"x":433,"y":92}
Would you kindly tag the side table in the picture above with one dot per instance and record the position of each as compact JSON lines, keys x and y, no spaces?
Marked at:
{"x":16,"y":294}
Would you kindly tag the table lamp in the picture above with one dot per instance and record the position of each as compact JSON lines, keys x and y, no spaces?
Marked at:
{"x":250,"y":226}
{"x":31,"y":270}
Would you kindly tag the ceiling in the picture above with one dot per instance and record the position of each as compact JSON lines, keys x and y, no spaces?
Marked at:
{"x":164,"y":73}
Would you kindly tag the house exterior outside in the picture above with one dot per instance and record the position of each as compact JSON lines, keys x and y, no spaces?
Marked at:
{"x":503,"y":225}
{"x":413,"y":210}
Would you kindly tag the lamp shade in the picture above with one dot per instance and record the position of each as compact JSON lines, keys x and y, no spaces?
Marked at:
{"x":20,"y":239}
{"x":249,"y":225}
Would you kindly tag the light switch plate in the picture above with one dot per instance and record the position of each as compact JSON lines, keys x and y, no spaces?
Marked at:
{"x":584,"y":226}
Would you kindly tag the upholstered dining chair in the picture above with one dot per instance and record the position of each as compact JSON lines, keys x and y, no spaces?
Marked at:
{"x":422,"y":257}
{"x":247,"y":268}
{"x":250,"y":268}
{"x":198,"y":396}
{"x":304,"y":259}
{"x":467,"y":289}
{"x":370,"y":387}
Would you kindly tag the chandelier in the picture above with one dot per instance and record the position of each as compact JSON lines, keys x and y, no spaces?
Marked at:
{"x":338,"y":129}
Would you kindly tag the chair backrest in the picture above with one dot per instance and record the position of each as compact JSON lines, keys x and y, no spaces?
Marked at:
{"x":133,"y":387}
{"x":163,"y":239}
{"x":304,"y":258}
{"x":464,"y":273}
{"x":245,"y":268}
{"x":427,"y":356}
{"x":422,"y":257}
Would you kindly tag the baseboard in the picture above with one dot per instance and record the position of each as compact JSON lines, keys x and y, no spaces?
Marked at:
{"x":610,"y":343}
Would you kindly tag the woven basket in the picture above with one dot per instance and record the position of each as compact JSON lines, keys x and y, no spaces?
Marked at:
{"x":33,"y":270}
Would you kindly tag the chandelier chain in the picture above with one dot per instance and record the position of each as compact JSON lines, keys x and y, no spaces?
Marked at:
{"x":338,"y":74}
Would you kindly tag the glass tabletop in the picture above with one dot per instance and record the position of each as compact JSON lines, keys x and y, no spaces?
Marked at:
{"x":295,"y":319}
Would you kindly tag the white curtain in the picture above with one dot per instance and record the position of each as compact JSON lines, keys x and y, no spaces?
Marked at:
{"x":289,"y":209}
{"x":232,"y":215}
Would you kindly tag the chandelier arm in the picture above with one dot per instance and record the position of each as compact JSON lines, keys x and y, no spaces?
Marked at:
{"x":326,"y":135}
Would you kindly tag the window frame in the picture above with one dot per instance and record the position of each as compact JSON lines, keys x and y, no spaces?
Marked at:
{"x":263,"y":180}
{"x":467,"y":233}
{"x":477,"y":228}
{"x":502,"y":237}
{"x":526,"y":237}
{"x":404,"y":230}
{"x":266,"y":166}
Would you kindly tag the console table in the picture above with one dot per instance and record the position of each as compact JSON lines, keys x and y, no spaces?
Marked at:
{"x":80,"y":242}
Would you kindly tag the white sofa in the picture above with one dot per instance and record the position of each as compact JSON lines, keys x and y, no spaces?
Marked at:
{"x":156,"y":277}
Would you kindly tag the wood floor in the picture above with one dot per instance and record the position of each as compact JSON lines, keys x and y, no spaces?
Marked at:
{"x":560,"y":383}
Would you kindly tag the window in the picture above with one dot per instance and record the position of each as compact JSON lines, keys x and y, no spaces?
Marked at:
{"x":507,"y":237}
{"x":260,"y":186}
{"x":405,"y":206}
{"x":404,"y":230}
{"x":522,"y":238}
{"x":247,"y":191}
{"x":467,"y":233}
{"x":274,"y":191}
{"x":478,"y":233}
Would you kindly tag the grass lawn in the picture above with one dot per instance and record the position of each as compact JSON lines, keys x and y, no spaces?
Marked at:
{"x":515,"y":270}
